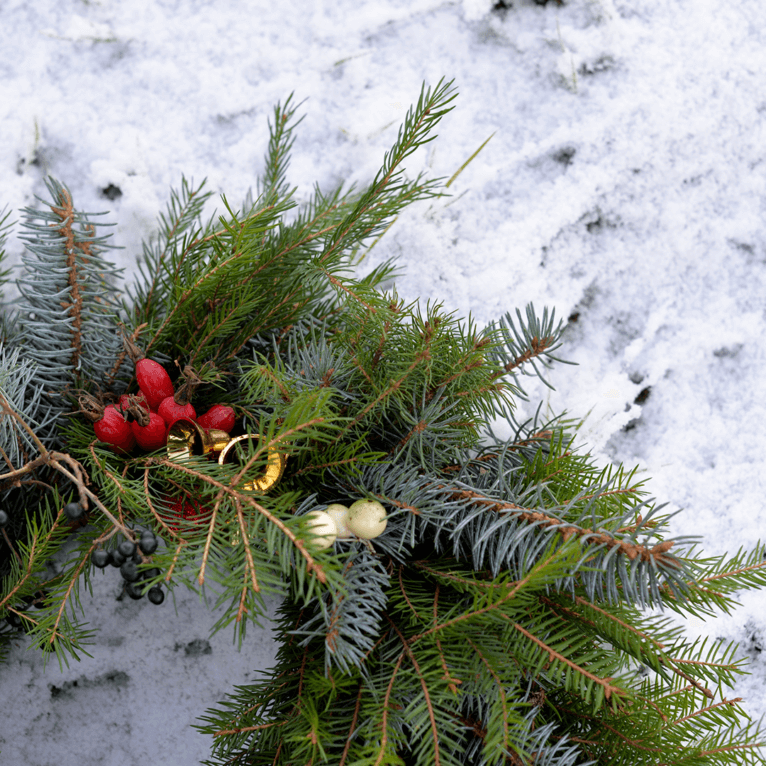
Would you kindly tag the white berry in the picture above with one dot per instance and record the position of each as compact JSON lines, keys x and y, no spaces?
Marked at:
{"x":323,"y":528}
{"x":339,"y":514}
{"x":367,"y":519}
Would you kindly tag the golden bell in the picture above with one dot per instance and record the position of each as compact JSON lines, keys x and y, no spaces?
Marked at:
{"x":274,"y":468}
{"x":187,"y":438}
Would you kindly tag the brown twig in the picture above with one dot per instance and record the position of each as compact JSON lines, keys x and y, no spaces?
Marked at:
{"x":386,"y":701}
{"x":77,"y":475}
{"x":424,"y":687}
{"x":501,"y":691}
{"x":447,"y":675}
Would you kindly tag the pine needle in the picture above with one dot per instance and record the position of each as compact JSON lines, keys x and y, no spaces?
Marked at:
{"x":467,"y":162}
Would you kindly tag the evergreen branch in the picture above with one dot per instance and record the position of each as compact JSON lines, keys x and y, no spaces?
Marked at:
{"x":740,"y":572}
{"x":5,"y":226}
{"x":68,"y":307}
{"x":340,"y":285}
{"x":447,"y":675}
{"x":500,"y":690}
{"x":54,"y":632}
{"x":65,"y":212}
{"x":280,"y":143}
{"x":208,"y":273}
{"x":311,"y":564}
{"x":183,"y":212}
{"x":387,"y":194}
{"x":608,"y":688}
{"x":403,"y":591}
{"x":393,"y":387}
{"x":544,"y":520}
{"x":24,"y":578}
{"x":704,"y":710}
{"x":209,"y":538}
{"x":352,"y":729}
{"x":248,"y":550}
{"x":424,"y":687}
{"x":533,"y":341}
{"x":554,"y":559}
{"x":386,"y":705}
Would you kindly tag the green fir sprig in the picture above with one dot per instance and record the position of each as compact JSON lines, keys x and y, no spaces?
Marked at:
{"x":501,"y":617}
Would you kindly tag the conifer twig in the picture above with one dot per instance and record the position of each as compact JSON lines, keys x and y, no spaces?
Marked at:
{"x":311,"y":564}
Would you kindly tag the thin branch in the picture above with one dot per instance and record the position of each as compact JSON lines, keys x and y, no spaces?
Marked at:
{"x":424,"y":687}
{"x":312,"y":565}
{"x":386,"y":701}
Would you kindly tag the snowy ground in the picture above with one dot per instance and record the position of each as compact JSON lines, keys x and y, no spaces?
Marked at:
{"x":624,"y":186}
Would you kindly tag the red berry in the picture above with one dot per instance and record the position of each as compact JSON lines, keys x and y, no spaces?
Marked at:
{"x":154,"y":381}
{"x":189,"y":510}
{"x":113,"y":429}
{"x":152,"y":436}
{"x":219,"y":416}
{"x":170,"y":411}
{"x":125,"y":403}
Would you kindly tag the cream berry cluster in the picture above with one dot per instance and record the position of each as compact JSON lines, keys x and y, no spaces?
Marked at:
{"x":365,"y":519}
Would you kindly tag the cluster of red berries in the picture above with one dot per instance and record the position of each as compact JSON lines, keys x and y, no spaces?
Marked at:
{"x":144,"y":419}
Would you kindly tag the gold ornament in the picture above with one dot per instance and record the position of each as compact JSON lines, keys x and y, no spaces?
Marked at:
{"x":187,"y":438}
{"x":274,"y":468}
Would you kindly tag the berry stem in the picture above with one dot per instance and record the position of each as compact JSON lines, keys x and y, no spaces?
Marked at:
{"x":135,"y":354}
{"x":192,"y":381}
{"x":92,"y":408}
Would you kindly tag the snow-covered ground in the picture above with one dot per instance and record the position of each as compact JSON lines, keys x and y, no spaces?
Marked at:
{"x":624,"y":185}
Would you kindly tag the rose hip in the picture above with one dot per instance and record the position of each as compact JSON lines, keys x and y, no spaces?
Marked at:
{"x":170,"y":411}
{"x":152,"y":436}
{"x":125,"y":401}
{"x":190,"y":510}
{"x":154,"y":381}
{"x":219,"y":416}
{"x":113,"y":429}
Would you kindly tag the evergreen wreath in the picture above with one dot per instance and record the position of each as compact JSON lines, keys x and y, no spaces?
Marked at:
{"x":485,"y":603}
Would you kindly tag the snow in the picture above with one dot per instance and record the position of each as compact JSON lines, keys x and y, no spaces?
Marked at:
{"x":624,"y":186}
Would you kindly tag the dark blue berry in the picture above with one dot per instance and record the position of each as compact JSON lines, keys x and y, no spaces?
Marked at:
{"x":149,"y":574}
{"x":127,"y":548}
{"x":156,"y":595}
{"x":100,"y":558}
{"x":73,"y":511}
{"x":134,"y":590}
{"x":129,"y":571}
{"x":116,"y":559}
{"x":148,"y":543}
{"x":4,"y":519}
{"x":13,"y":620}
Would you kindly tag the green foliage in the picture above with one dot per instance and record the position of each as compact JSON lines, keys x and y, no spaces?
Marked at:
{"x":67,"y":315}
{"x":500,"y":618}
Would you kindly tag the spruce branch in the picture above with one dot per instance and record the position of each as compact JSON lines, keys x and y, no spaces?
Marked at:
{"x":389,"y":193}
{"x":529,"y":342}
{"x":68,"y":307}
